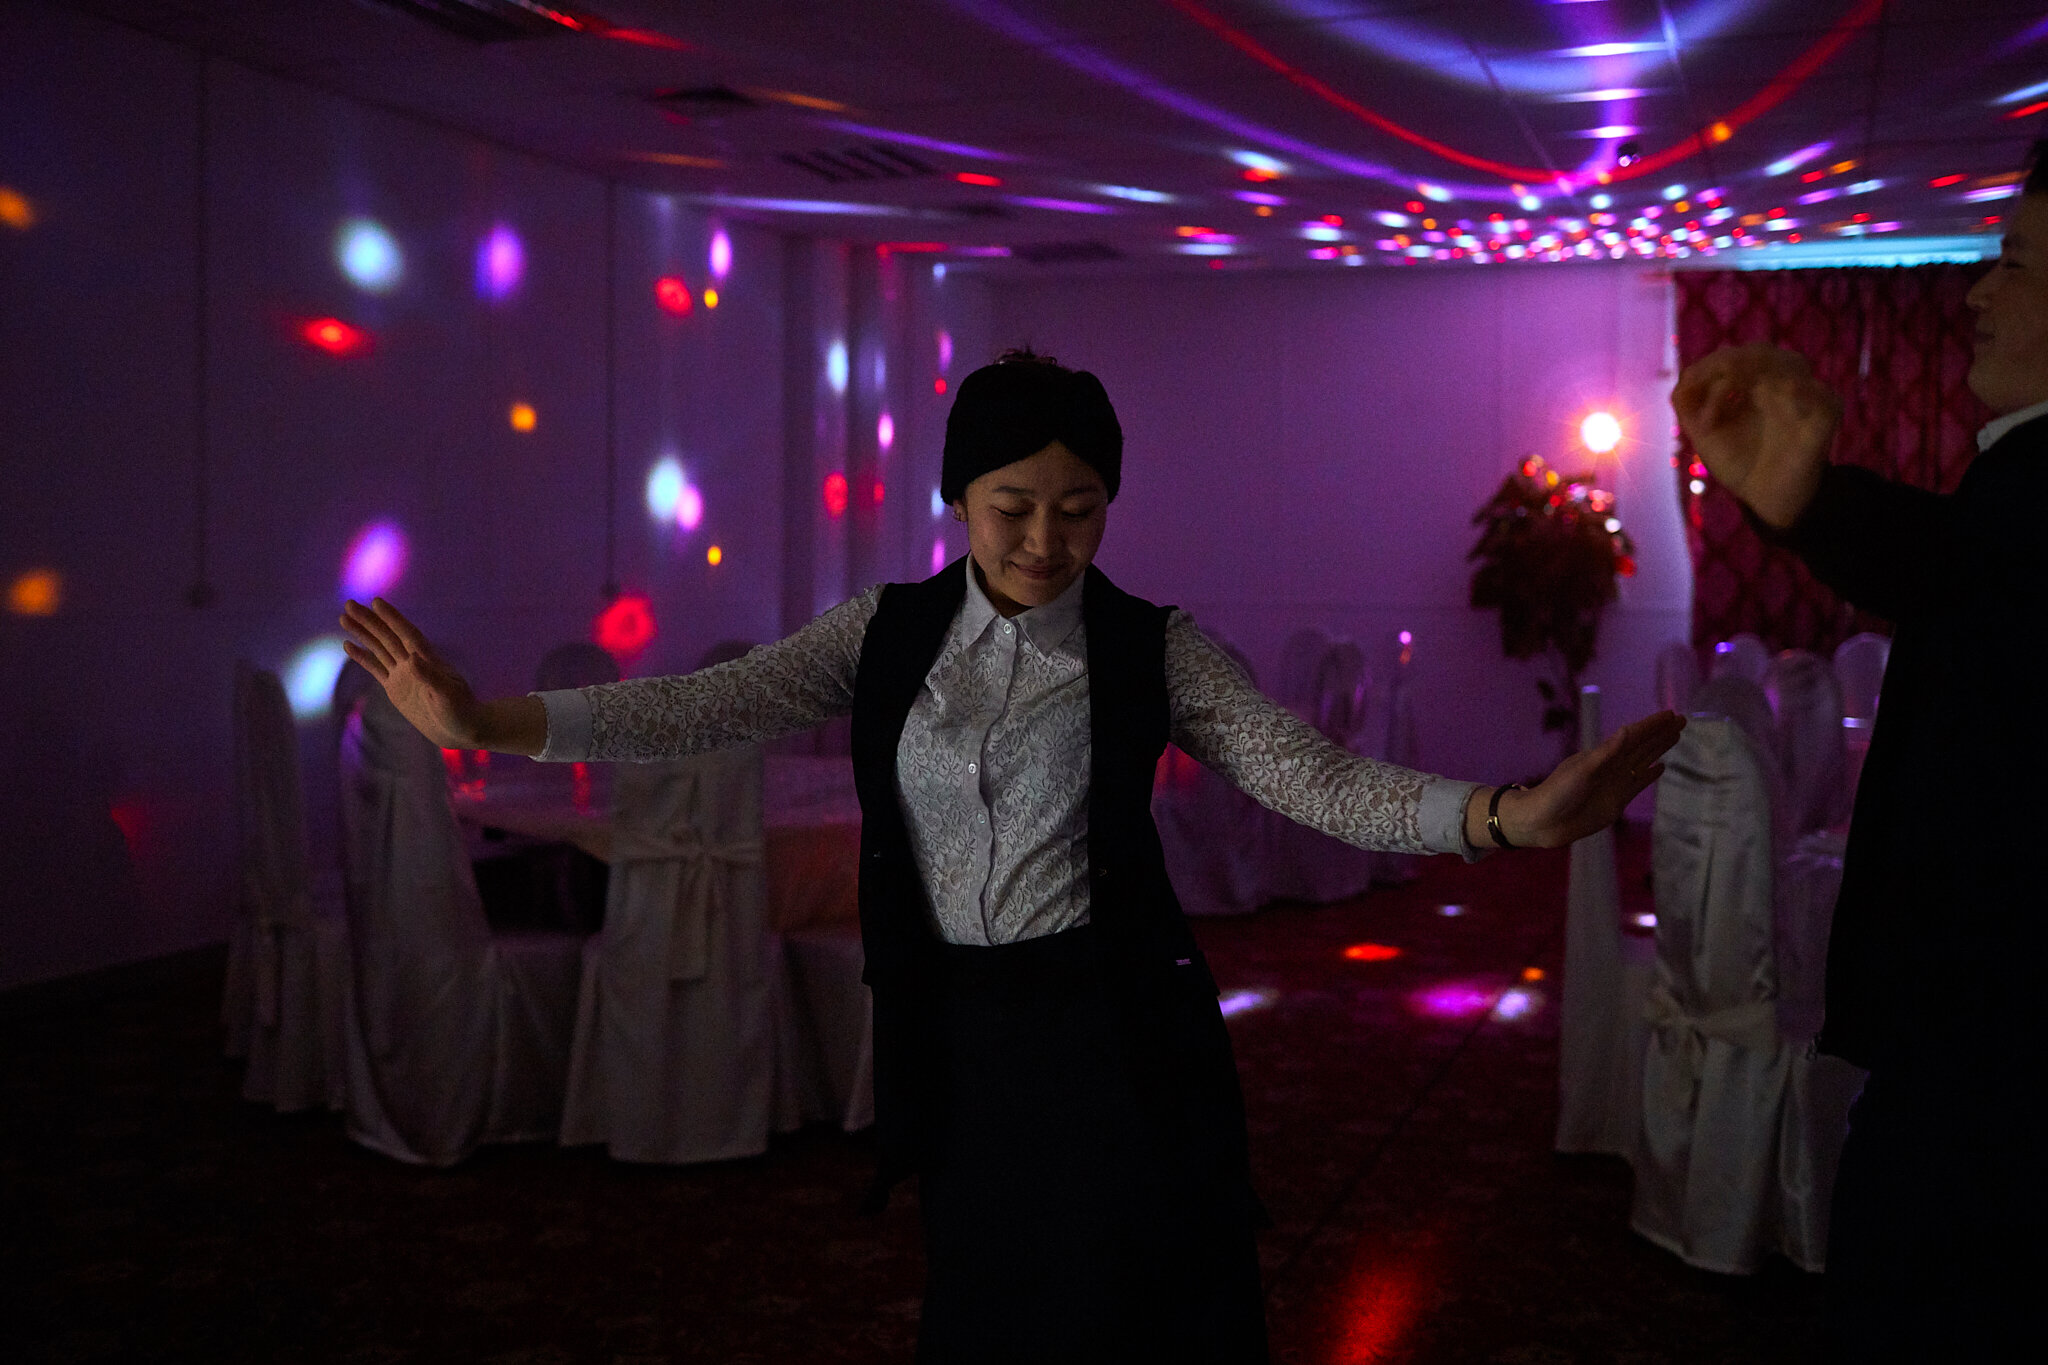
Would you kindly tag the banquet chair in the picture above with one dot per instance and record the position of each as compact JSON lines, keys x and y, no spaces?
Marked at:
{"x":1859,"y":671}
{"x":1678,"y":676}
{"x":1396,"y":741}
{"x":825,"y":1031}
{"x":1807,"y":706}
{"x":1741,"y":1126}
{"x":1606,"y":978}
{"x":1743,"y":655}
{"x":281,"y":1004}
{"x":1213,"y":835}
{"x":455,"y":1036}
{"x":1299,"y":658}
{"x":674,"y":1057}
{"x":1305,"y":864}
{"x":579,"y":663}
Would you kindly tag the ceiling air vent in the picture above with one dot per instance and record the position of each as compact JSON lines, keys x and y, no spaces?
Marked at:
{"x":1065,"y":253}
{"x":706,"y":99}
{"x":487,"y":21}
{"x":870,"y":161}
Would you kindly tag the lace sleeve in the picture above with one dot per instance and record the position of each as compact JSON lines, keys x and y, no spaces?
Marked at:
{"x":1280,"y":761}
{"x":775,"y":689}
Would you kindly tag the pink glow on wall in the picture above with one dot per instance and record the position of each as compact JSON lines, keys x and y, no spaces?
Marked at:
{"x":689,"y":507}
{"x":938,"y":554}
{"x":375,"y":560}
{"x":721,"y":255}
{"x":625,"y":627}
{"x":885,"y":431}
{"x":945,"y":352}
{"x":500,"y":263}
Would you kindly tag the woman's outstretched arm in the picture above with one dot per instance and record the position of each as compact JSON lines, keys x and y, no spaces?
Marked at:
{"x":428,"y":692}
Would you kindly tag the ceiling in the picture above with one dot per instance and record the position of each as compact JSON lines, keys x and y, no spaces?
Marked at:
{"x":1227,"y":134}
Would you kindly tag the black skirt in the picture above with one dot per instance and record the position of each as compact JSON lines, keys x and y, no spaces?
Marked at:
{"x":1054,"y":1227}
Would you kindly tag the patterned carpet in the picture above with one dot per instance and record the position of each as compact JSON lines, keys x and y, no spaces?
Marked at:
{"x":146,"y":1213}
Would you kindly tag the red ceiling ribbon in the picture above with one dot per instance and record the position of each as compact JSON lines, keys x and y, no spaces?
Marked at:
{"x":1773,"y":94}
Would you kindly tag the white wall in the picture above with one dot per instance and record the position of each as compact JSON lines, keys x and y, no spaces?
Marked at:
{"x":1308,"y":449}
{"x":118,"y":704}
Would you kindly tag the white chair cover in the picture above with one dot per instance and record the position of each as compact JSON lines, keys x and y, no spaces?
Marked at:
{"x":1744,"y":655}
{"x":1306,"y":864}
{"x":674,"y":1057}
{"x":456,"y":1037}
{"x":579,"y":663}
{"x":1299,"y":658}
{"x":1396,"y":742}
{"x":288,"y":950}
{"x":1736,"y":1152}
{"x":1606,"y":978}
{"x":1678,"y":677}
{"x":1859,"y":671}
{"x":1213,"y":835}
{"x":829,"y":1027}
{"x":1808,"y":707}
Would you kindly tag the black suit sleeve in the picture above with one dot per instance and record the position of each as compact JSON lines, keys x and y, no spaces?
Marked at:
{"x":1874,"y":542}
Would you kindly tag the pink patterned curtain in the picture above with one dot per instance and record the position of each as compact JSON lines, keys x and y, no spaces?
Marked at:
{"x":1896,"y":344}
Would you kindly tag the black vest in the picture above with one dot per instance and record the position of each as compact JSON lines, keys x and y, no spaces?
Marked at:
{"x":1172,"y":1035}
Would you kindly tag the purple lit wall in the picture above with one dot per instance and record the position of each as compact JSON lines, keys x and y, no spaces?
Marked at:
{"x":472,"y":422}
{"x":1308,"y":449}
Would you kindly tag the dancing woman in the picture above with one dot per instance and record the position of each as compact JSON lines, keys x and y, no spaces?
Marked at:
{"x":1049,"y":1057}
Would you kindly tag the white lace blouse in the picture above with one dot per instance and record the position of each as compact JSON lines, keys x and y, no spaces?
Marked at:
{"x":992,"y":769}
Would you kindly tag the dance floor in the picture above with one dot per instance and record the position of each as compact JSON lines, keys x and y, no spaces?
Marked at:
{"x":1401,"y":1109}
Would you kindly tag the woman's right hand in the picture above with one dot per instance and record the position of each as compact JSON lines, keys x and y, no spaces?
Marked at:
{"x":1763,"y":423}
{"x":426,"y":691}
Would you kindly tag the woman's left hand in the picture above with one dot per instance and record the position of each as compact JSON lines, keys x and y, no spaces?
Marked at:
{"x":1588,"y":791}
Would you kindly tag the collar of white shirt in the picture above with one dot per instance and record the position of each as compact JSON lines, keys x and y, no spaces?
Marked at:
{"x":1046,"y":627}
{"x":1995,"y":430}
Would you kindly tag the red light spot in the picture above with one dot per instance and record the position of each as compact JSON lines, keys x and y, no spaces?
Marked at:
{"x":1812,"y":176}
{"x":878,"y":492}
{"x":2029,"y":110}
{"x":645,"y":37}
{"x":1942,"y":182}
{"x":977,"y":178}
{"x":1625,"y":566}
{"x":835,"y":494}
{"x":1259,"y":176}
{"x":1334,"y":220}
{"x":625,"y":627}
{"x":887,"y":247}
{"x":1993,"y":218}
{"x":1372,"y":952}
{"x":1860,"y":218}
{"x":334,"y":336}
{"x":939,"y":384}
{"x":673,"y":295}
{"x":1413,"y":206}
{"x":1793,"y":238}
{"x":451,"y":759}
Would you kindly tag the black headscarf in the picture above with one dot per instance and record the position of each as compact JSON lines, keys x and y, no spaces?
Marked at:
{"x":1015,"y":408}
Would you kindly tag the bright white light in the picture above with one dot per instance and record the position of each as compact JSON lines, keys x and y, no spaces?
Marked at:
{"x":1674,"y":191}
{"x":1724,"y":242}
{"x":1781,"y":224}
{"x":1609,"y":49}
{"x":1258,"y":161}
{"x":1392,"y":220}
{"x":1136,"y":196}
{"x":664,"y":488}
{"x":1613,"y":525}
{"x":1698,"y":486}
{"x":1241,"y":1002}
{"x":368,"y":256}
{"x":2025,"y":92}
{"x":1598,"y":96}
{"x":1434,"y":192}
{"x":309,"y":676}
{"x":1797,"y":159}
{"x":938,"y":503}
{"x":1646,"y":920}
{"x":1989,"y":193}
{"x":1322,"y":232}
{"x":885,"y":431}
{"x":1864,"y":187}
{"x":1516,"y":251}
{"x":938,"y":270}
{"x":1600,"y":431}
{"x":721,"y":255}
{"x":1602,"y":201}
{"x":835,"y":366}
{"x":1419,"y":252}
{"x":1206,"y":249}
{"x":1530,"y":203}
{"x":1607,"y":130}
{"x":1515,"y":1004}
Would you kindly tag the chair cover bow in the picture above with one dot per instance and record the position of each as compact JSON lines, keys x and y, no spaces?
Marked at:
{"x":701,"y":894}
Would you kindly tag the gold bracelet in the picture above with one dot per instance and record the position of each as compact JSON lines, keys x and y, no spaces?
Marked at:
{"x":1493,"y":813}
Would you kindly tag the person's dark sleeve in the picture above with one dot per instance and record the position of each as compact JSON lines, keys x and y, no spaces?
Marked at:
{"x":1873,"y":541}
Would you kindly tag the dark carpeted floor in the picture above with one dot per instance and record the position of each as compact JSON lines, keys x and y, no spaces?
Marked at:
{"x":146,"y":1213}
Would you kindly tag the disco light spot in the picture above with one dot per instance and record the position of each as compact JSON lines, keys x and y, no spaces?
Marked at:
{"x":836,"y":368}
{"x":945,"y":350}
{"x":335,"y":337}
{"x":938,"y":554}
{"x":1244,"y":1002}
{"x":938,"y":503}
{"x":500,"y":263}
{"x":939,"y":385}
{"x":39,"y":592}
{"x":374,"y":562}
{"x":1450,"y":911}
{"x":689,"y":506}
{"x":523,"y":417}
{"x":714,"y":556}
{"x":710,"y":297}
{"x":15,"y":209}
{"x":885,"y":431}
{"x":1372,"y":952}
{"x":1645,"y":920}
{"x":664,"y":488}
{"x":1532,"y":973}
{"x":721,"y":255}
{"x":1601,"y":432}
{"x":876,"y":491}
{"x":625,"y":627}
{"x":1453,"y":1000}
{"x":368,"y":255}
{"x":309,"y":676}
{"x":1516,"y":1003}
{"x":673,"y":295}
{"x":835,"y":492}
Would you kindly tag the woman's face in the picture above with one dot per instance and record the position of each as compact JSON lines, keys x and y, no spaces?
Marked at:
{"x":1034,"y":526}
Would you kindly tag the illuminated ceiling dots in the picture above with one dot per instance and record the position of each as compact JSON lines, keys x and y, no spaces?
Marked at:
{"x":1372,"y":952}
{"x":720,"y":255}
{"x":335,"y":337}
{"x":625,"y":627}
{"x":523,"y":417}
{"x":15,"y":209}
{"x":836,"y":366}
{"x":710,"y":297}
{"x":38,"y":592}
{"x":1795,"y":160}
{"x":885,"y":433}
{"x":309,"y":676}
{"x":1136,"y":196}
{"x":375,"y":560}
{"x":673,"y":295}
{"x":500,"y":264}
{"x":1601,"y":432}
{"x":977,"y":178}
{"x":835,"y":494}
{"x":664,"y":488}
{"x":368,"y":255}
{"x":714,"y":556}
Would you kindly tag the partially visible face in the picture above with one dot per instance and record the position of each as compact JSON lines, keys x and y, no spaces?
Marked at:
{"x":2010,"y":371}
{"x":1034,"y":526}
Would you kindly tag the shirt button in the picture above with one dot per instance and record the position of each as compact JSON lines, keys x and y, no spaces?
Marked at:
{"x":981,"y":819}
{"x":1008,"y":628}
{"x":971,"y":768}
